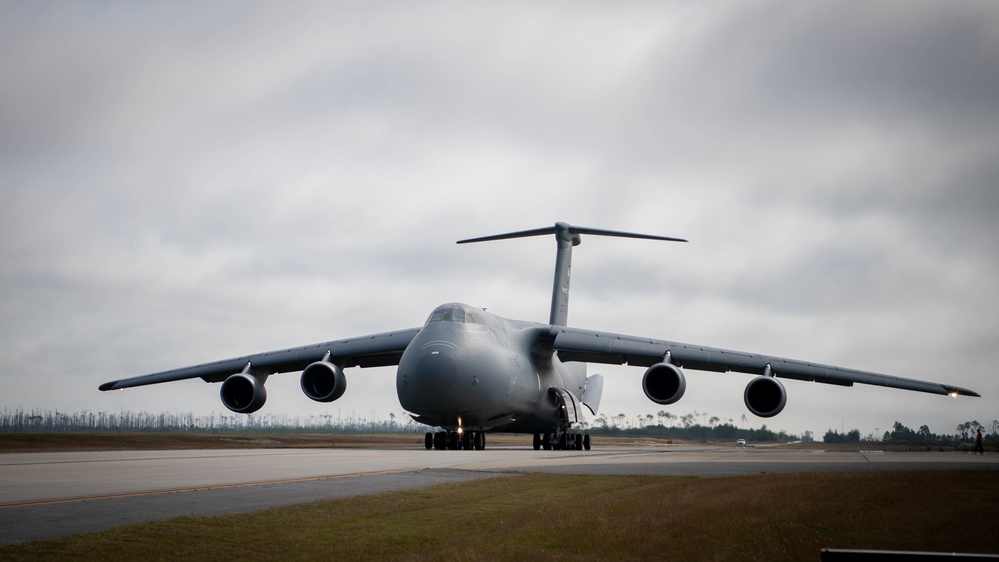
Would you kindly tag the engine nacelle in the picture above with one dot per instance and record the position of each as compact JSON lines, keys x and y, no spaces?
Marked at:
{"x":663,"y":383}
{"x":323,"y":381}
{"x":765,"y":396}
{"x":243,"y":393}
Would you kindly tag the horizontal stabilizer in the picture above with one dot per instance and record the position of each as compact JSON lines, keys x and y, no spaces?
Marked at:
{"x":571,"y":230}
{"x":566,"y":236}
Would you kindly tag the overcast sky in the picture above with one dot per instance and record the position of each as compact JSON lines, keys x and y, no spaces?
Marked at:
{"x":186,"y":182}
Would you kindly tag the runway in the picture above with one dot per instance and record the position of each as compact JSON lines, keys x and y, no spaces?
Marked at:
{"x":47,"y":495}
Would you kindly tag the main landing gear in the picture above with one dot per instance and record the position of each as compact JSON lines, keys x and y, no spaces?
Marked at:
{"x":561,"y":441}
{"x":454,"y":440}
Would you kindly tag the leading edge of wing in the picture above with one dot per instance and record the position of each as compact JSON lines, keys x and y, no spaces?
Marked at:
{"x":573,"y":344}
{"x":376,"y":350}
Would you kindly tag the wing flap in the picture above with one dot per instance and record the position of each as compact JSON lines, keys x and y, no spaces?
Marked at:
{"x":377,"y":350}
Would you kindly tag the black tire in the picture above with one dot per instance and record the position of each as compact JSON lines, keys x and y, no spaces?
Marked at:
{"x":428,"y":440}
{"x":586,"y":441}
{"x":537,"y":441}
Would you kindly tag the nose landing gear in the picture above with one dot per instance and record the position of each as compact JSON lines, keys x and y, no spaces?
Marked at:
{"x":453,"y":440}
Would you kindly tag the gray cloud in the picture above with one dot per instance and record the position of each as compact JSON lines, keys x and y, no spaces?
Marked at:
{"x":187,"y":184}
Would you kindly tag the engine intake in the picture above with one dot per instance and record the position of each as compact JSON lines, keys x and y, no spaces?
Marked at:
{"x":765,"y":396}
{"x":664,"y":383}
{"x":323,"y":381}
{"x":243,"y":393}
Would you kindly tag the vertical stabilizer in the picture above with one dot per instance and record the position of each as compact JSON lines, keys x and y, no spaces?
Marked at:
{"x":566,"y":236}
{"x":565,"y":239}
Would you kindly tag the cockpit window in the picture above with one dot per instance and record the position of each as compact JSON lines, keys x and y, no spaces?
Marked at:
{"x":447,"y":314}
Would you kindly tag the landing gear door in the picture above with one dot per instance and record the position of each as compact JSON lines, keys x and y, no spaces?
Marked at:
{"x":592,"y":393}
{"x":567,"y":405}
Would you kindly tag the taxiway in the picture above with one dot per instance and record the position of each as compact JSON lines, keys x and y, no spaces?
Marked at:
{"x":47,"y":495}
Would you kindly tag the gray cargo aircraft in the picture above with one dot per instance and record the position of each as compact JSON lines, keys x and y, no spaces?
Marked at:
{"x":468,"y":372}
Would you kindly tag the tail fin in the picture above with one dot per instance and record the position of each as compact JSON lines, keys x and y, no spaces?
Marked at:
{"x":566,"y":236}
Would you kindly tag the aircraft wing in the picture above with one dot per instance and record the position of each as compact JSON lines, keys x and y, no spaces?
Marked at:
{"x":376,"y":350}
{"x":573,"y":344}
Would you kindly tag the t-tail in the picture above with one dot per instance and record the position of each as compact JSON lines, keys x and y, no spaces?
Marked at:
{"x":566,"y":236}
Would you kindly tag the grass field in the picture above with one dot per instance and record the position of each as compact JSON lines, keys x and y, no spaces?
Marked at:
{"x":553,"y":517}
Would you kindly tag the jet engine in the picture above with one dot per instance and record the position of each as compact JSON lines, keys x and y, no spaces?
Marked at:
{"x":663,"y":383}
{"x":765,"y":396}
{"x":243,"y":393}
{"x":323,"y":381}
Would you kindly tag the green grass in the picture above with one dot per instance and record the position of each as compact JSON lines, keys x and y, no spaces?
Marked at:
{"x":557,"y":517}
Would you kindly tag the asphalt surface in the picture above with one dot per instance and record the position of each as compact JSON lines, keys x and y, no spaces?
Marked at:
{"x":48,"y":495}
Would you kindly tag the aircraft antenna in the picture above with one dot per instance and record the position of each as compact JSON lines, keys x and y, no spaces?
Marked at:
{"x":566,"y":236}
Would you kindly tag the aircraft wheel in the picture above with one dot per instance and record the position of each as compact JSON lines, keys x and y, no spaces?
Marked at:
{"x":537,"y":441}
{"x":480,"y":440}
{"x":440,"y":441}
{"x":466,"y":440}
{"x":452,"y":440}
{"x":577,"y":440}
{"x":586,"y":441}
{"x":428,"y":440}
{"x":546,"y":441}
{"x":563,"y":442}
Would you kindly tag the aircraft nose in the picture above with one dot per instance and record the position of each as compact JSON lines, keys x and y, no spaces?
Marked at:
{"x":437,"y":370}
{"x":442,"y":382}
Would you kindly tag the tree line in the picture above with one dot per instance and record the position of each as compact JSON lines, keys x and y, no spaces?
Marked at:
{"x":899,"y":434}
{"x":698,"y":432}
{"x":694,"y":425}
{"x":22,"y":421}
{"x":699,"y":426}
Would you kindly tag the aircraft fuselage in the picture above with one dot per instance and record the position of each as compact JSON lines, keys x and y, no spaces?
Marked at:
{"x":469,"y":369}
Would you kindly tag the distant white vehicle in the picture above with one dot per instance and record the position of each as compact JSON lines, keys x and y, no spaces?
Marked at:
{"x":740,"y":442}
